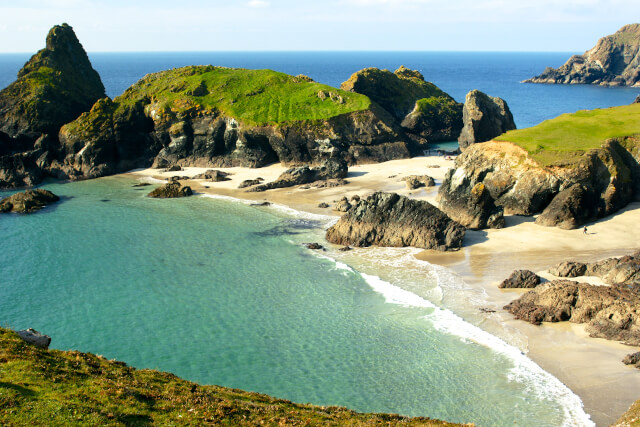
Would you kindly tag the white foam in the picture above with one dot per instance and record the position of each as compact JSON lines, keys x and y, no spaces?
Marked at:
{"x":536,"y":380}
{"x":227,"y":198}
{"x":152,"y":180}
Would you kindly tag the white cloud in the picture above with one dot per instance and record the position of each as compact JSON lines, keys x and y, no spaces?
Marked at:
{"x":258,"y":3}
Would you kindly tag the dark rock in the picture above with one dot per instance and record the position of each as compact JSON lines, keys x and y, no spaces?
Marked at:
{"x":521,"y":279}
{"x":342,"y":205}
{"x":345,"y":248}
{"x":323,"y":205}
{"x":174,"y":168}
{"x":484,"y":118}
{"x":261,"y":204}
{"x":314,"y":246}
{"x":473,"y":209}
{"x":355,"y":198}
{"x":171,"y":190}
{"x":569,"y":269}
{"x":487,"y":310}
{"x":28,"y":201}
{"x":612,"y":62}
{"x":387,"y":219}
{"x":570,"y":208}
{"x":213,"y":176}
{"x":330,"y":169}
{"x":637,"y":100}
{"x":418,"y":181}
{"x":437,"y":118}
{"x":35,"y":338}
{"x":142,"y":184}
{"x":250,"y":182}
{"x":632,"y":359}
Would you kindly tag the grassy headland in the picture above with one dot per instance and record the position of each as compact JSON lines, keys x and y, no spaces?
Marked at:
{"x":52,"y":387}
{"x":562,"y":139}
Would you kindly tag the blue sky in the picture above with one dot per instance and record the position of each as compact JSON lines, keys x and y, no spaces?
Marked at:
{"x":255,"y":25}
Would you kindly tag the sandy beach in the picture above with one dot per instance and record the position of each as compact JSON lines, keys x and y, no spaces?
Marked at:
{"x":592,"y":368}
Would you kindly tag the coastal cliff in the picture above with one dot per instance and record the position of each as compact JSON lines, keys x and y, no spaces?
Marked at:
{"x":570,"y":170}
{"x":613,"y":61}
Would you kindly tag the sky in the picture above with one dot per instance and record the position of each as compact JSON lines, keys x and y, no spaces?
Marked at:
{"x":272,"y":25}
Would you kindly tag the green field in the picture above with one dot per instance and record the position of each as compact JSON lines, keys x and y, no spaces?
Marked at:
{"x":561,"y":140}
{"x":251,"y":96}
{"x":51,"y":387}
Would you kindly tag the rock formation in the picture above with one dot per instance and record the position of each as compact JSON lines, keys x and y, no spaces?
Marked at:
{"x":632,"y":359}
{"x":611,"y":312}
{"x":213,"y":176}
{"x":387,"y":219}
{"x":419,"y":181}
{"x":614,"y":61}
{"x":614,"y":271}
{"x":426,"y":113}
{"x":484,"y":117}
{"x":53,"y":88}
{"x":35,"y":338}
{"x":171,"y":190}
{"x":521,"y":279}
{"x":330,"y":169}
{"x":473,"y":209}
{"x":28,"y":201}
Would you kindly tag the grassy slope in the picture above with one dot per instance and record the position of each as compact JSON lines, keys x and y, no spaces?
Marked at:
{"x":251,"y":96}
{"x":52,"y":387}
{"x":559,"y":140}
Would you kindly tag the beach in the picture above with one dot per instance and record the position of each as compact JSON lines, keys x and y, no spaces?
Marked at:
{"x":591,"y":368}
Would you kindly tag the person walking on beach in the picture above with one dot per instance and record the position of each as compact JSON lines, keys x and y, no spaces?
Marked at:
{"x":584,"y":230}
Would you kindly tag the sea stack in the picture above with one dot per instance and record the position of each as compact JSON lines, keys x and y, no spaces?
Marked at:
{"x":484,"y":117}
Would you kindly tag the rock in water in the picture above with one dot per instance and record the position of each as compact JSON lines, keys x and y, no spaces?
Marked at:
{"x":28,"y":201}
{"x":614,"y":61}
{"x":484,"y":117}
{"x":34,"y":337}
{"x":171,"y":190}
{"x":521,"y":279}
{"x":388,"y":219}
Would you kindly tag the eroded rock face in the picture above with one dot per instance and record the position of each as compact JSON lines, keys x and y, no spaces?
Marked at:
{"x":387,"y":219}
{"x":475,"y":209}
{"x":521,"y":279}
{"x":484,"y":117}
{"x":171,"y":190}
{"x":610,"y":312}
{"x":570,"y":208}
{"x":614,"y":61}
{"x":330,"y":169}
{"x":28,"y":201}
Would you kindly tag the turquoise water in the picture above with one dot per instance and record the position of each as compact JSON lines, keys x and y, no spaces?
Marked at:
{"x":221,"y":292}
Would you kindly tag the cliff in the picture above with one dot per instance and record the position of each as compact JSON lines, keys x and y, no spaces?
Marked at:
{"x":614,"y":61}
{"x":572,"y":169}
{"x":52,"y":387}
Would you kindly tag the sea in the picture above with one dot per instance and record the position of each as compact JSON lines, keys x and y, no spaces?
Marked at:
{"x":219,"y":291}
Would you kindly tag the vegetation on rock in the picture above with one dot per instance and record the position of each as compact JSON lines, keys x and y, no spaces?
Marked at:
{"x":52,"y":387}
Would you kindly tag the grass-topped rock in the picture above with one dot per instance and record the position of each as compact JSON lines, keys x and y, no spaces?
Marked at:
{"x":52,"y":387}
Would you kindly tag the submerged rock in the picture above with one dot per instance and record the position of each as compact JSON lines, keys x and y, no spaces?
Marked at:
{"x":387,"y":219}
{"x":28,"y":201}
{"x":484,"y":118}
{"x":171,"y":190}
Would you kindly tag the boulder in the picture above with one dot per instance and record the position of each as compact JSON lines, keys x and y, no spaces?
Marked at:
{"x":637,"y":100}
{"x":213,"y":176}
{"x":613,"y":61}
{"x":475,"y":209}
{"x":250,"y":182}
{"x":342,"y":205}
{"x":35,"y":338}
{"x":484,"y":117}
{"x":614,"y":271}
{"x":330,"y":169}
{"x":521,"y":279}
{"x":315,"y":246}
{"x":171,"y":190}
{"x":418,"y":181}
{"x":568,"y":269}
{"x":570,"y":208}
{"x":388,"y":219}
{"x":632,"y":359}
{"x":323,"y":205}
{"x":28,"y":201}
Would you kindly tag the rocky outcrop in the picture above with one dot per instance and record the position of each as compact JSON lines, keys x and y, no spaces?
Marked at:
{"x":28,"y":201}
{"x":484,"y":117}
{"x":419,"y":181}
{"x":426,"y":113}
{"x":632,"y":359}
{"x":611,"y":312}
{"x":614,"y":61}
{"x":34,"y":337}
{"x":637,"y":100}
{"x":614,"y":271}
{"x":330,"y":169}
{"x":387,"y":219}
{"x":593,"y":185}
{"x":213,"y":176}
{"x":473,"y":209}
{"x":171,"y":190}
{"x":521,"y":279}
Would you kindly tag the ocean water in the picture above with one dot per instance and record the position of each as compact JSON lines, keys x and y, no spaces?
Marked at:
{"x":221,"y":292}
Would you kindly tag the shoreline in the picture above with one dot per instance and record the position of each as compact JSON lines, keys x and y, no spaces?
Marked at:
{"x":607,"y":388}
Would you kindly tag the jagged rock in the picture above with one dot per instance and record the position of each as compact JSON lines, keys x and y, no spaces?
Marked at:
{"x":568,"y":269}
{"x":437,"y":118}
{"x":314,"y":246}
{"x":387,"y":219}
{"x":28,"y":201}
{"x":610,"y":312}
{"x":484,"y":117}
{"x":418,"y":181}
{"x":35,"y":338}
{"x":570,"y":208}
{"x":614,"y":61}
{"x":624,"y":270}
{"x":475,"y":209}
{"x":330,"y":169}
{"x":521,"y":279}
{"x":342,"y":205}
{"x":632,"y":359}
{"x":171,"y":190}
{"x":213,"y":175}
{"x":250,"y":182}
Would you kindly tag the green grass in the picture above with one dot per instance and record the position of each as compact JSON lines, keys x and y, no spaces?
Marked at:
{"x":51,"y":387}
{"x":567,"y":137}
{"x":251,"y":96}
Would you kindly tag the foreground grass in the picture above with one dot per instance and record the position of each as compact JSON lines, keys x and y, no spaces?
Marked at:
{"x":561,"y":140}
{"x":51,"y":387}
